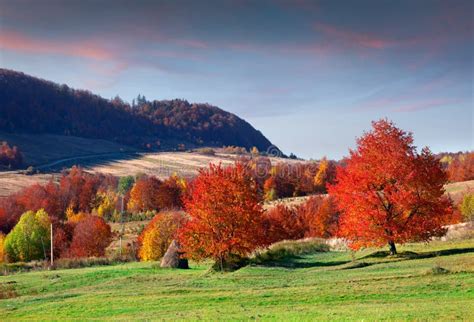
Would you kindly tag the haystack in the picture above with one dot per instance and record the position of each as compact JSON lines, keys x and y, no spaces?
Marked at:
{"x":172,"y":258}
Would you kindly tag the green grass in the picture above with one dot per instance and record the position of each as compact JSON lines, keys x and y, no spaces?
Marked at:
{"x":324,"y":285}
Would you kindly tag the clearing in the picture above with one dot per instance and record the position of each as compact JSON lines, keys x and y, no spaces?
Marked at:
{"x":435,"y":283}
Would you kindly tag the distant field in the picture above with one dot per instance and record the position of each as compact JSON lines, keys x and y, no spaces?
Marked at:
{"x":162,"y":165}
{"x":309,"y":287}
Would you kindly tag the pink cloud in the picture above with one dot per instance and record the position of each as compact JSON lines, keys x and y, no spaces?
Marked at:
{"x":19,"y":42}
{"x":425,"y":105}
{"x":355,"y":38}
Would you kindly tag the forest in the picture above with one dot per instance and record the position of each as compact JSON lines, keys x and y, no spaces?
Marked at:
{"x":33,"y":105}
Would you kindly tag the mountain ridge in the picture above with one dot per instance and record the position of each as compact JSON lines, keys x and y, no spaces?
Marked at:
{"x":36,"y":106}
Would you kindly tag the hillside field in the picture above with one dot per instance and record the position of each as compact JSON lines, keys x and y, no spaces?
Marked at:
{"x":327,"y":285}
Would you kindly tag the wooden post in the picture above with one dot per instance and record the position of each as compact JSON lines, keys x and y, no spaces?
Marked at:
{"x":52,"y":253}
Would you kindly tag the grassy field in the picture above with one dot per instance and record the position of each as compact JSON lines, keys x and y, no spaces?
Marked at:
{"x":316,"y":286}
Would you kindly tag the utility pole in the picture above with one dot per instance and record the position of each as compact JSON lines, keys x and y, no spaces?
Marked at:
{"x":52,"y":253}
{"x":121,"y":227}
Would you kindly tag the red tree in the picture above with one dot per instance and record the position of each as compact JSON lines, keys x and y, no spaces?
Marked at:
{"x":283,"y":223}
{"x":388,"y":193}
{"x":225,"y":215}
{"x":320,"y":217}
{"x":91,"y":237}
{"x":144,"y":195}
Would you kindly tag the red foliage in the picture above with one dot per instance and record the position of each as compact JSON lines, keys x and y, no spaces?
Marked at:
{"x":91,"y":237}
{"x":462,"y":168}
{"x":79,"y":189}
{"x":388,"y":193}
{"x":283,"y":223}
{"x":144,"y":194}
{"x":169,"y":194}
{"x":320,"y":217}
{"x":225,"y":215}
{"x":10,"y":157}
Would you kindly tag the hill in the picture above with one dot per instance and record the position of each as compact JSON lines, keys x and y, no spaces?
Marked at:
{"x":30,"y":105}
{"x":425,"y":282}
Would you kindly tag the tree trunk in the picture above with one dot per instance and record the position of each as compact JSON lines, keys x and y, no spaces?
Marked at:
{"x":393,"y":249}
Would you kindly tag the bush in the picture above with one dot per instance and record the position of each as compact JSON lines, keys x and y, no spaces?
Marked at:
{"x":30,"y":238}
{"x":289,"y":249}
{"x":158,"y":235}
{"x":91,"y":237}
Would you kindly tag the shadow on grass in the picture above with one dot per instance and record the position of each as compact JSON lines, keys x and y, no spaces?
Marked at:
{"x":413,"y":255}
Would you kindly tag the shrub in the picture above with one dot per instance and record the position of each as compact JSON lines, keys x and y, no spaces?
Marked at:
{"x":30,"y":238}
{"x":155,"y":239}
{"x":288,"y":249}
{"x":91,"y":237}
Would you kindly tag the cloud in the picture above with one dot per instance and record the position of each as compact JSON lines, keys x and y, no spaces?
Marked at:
{"x":18,"y":42}
{"x":425,"y":105}
{"x":353,"y":38}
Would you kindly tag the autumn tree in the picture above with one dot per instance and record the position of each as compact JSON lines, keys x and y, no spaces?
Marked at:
{"x":144,"y":195}
{"x":467,"y":207}
{"x":319,"y":217}
{"x":158,"y":235}
{"x":91,"y":237}
{"x":462,"y":168}
{"x":30,"y":239}
{"x":169,"y":194}
{"x":388,"y":193}
{"x":225,"y":216}
{"x":283,"y":223}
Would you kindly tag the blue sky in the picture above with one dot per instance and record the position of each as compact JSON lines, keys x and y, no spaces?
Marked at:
{"x":311,"y":75}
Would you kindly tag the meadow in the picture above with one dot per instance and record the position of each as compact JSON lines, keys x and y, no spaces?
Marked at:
{"x":432,"y":281}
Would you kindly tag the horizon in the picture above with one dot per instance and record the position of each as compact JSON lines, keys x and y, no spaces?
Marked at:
{"x":311,"y":76}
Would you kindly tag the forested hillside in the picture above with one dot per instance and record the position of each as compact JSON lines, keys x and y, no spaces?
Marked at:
{"x":33,"y":105}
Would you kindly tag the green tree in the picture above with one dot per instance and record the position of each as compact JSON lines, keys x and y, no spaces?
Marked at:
{"x":467,"y":207}
{"x":30,"y":239}
{"x":125,"y":184}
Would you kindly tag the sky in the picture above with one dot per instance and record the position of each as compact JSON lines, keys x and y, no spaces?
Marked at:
{"x":311,"y":75}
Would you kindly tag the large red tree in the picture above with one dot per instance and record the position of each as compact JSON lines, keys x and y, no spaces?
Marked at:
{"x":388,"y":193}
{"x":225,"y":216}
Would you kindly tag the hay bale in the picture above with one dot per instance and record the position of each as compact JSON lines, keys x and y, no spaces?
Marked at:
{"x":172,"y":258}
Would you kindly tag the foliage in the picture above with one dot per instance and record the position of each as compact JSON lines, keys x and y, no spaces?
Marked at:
{"x":461,"y":168}
{"x":10,"y":158}
{"x":91,"y":237}
{"x":144,"y":194}
{"x":169,"y":194}
{"x":225,"y":215}
{"x":2,"y":251}
{"x":320,"y":217}
{"x":30,"y":238}
{"x":388,"y":193}
{"x":283,"y":223}
{"x":58,"y":109}
{"x":158,"y":235}
{"x":106,"y":204}
{"x":467,"y":207}
{"x":125,"y":184}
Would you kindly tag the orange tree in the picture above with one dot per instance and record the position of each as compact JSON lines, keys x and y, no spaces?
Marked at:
{"x":225,"y":216}
{"x":388,"y":193}
{"x":158,"y":234}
